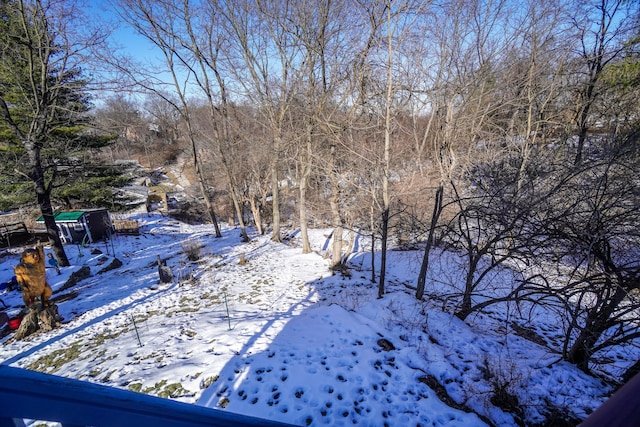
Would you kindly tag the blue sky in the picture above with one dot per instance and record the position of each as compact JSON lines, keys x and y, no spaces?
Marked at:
{"x":123,"y":36}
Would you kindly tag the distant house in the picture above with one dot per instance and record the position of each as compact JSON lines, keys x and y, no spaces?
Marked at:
{"x":88,"y":226}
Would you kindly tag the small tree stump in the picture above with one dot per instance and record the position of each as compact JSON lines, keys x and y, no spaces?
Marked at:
{"x":42,"y":319}
{"x":165,"y":272}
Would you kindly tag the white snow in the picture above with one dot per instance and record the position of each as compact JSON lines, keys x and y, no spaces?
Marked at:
{"x":280,"y":337}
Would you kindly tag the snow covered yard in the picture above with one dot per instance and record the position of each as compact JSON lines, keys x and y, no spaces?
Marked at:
{"x":264,"y":330}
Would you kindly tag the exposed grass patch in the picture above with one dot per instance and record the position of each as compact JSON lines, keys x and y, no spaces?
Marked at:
{"x":136,"y":387}
{"x":56,"y":359}
{"x":187,"y":300}
{"x":189,"y":333}
{"x":206,"y":382}
{"x":100,"y":339}
{"x":141,"y":317}
{"x":99,"y":354}
{"x":186,"y":305}
{"x":252,"y":298}
{"x":174,"y":390}
{"x":53,"y":361}
{"x":212,"y":299}
{"x":112,"y":356}
{"x":155,"y":388}
{"x":164,"y":390}
{"x":183,"y":310}
{"x":153,"y":355}
{"x":107,"y":377}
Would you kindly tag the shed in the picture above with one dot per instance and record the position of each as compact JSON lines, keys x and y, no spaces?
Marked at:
{"x":88,"y":226}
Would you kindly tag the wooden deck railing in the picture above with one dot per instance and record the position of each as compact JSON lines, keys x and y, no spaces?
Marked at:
{"x":36,"y":396}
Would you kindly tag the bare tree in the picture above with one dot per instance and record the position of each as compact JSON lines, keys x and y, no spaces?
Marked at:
{"x":535,"y":61}
{"x":455,"y":99}
{"x":490,"y":231}
{"x":164,"y":119}
{"x":424,"y":266}
{"x":205,"y":44}
{"x":155,"y":21}
{"x":120,"y":116}
{"x":395,"y":22}
{"x":602,"y":28}
{"x":326,"y":80}
{"x":255,"y":151}
{"x":592,"y":222}
{"x":268,"y":52}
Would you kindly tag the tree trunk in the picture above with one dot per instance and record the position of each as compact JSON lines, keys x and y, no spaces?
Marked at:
{"x":305,"y":166}
{"x":232,"y":190}
{"x":302,"y":212}
{"x":43,"y":196}
{"x":203,"y":190}
{"x":199,"y":173}
{"x":257,"y":217}
{"x":373,"y":243}
{"x":351,"y":247}
{"x":336,"y":248}
{"x":383,"y":257}
{"x":582,"y":133}
{"x":386,"y":166}
{"x":422,"y":277}
{"x":42,"y":319}
{"x":207,"y":202}
{"x":596,"y":323}
{"x":465,"y":306}
{"x":275,"y":192}
{"x":240,"y":214}
{"x":336,"y":219}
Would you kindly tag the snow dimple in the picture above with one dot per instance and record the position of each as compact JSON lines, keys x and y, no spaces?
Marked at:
{"x":353,"y":388}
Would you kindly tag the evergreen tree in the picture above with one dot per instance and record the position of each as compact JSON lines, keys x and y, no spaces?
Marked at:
{"x":44,"y":103}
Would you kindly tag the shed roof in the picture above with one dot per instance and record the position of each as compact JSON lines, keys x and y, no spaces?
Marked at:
{"x":68,"y":216}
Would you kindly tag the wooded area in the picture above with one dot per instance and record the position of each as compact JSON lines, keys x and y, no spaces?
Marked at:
{"x":504,"y":131}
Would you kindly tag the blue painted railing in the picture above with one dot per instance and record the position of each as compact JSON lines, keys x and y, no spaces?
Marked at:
{"x":36,"y":396}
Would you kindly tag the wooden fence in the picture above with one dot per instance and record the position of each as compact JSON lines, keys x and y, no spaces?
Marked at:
{"x":126,"y":226}
{"x":12,"y":234}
